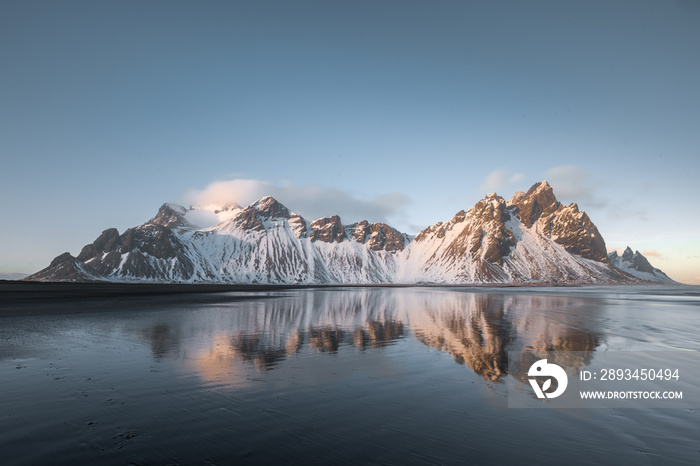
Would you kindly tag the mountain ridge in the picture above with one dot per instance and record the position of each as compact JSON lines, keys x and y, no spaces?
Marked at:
{"x":635,"y":264}
{"x":530,"y":239}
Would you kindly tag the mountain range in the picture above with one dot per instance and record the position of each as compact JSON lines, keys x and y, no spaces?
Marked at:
{"x":530,"y":239}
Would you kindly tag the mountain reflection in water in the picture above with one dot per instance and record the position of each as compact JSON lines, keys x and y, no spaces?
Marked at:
{"x":335,"y":375}
{"x":476,"y":329}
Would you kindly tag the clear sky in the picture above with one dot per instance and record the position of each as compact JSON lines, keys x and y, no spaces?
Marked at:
{"x":400,"y":111}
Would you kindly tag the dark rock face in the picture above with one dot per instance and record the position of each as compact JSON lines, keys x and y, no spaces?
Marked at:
{"x":380,"y":236}
{"x":328,"y":230}
{"x":565,"y":225}
{"x":154,"y":240}
{"x":61,"y":259}
{"x":105,"y":242}
{"x":148,"y":251}
{"x":105,"y":264}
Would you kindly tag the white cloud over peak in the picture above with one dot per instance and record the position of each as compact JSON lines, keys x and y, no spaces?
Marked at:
{"x":311,"y":202}
{"x":238,"y":191}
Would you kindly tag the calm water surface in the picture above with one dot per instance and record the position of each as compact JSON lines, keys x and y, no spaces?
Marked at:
{"x":341,"y":376}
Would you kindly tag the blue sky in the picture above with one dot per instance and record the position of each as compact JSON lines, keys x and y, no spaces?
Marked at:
{"x":408,"y":111}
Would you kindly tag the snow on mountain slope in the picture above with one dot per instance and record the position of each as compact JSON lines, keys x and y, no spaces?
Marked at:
{"x":530,"y":239}
{"x":266,"y":243}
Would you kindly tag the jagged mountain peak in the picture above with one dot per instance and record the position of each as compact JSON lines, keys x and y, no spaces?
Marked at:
{"x":265,"y":201}
{"x":490,"y":207}
{"x":170,"y":215}
{"x":270,"y":207}
{"x":493,"y":199}
{"x":539,"y":187}
{"x":635,"y":259}
{"x":541,"y":190}
{"x":539,"y":208}
{"x":254,"y":216}
{"x":539,"y":200}
{"x":635,"y":264}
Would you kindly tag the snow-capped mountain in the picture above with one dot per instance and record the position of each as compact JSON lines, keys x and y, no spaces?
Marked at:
{"x":530,"y":239}
{"x":635,"y":264}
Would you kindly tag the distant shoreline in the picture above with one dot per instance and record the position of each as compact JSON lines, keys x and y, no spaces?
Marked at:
{"x":24,"y":298}
{"x":33,"y":290}
{"x":33,"y":297}
{"x":10,"y":288}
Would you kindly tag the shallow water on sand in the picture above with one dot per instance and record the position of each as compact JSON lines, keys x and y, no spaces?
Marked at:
{"x":343,"y":376}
